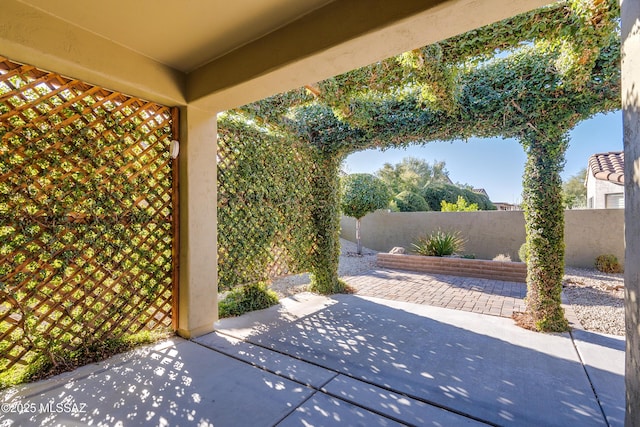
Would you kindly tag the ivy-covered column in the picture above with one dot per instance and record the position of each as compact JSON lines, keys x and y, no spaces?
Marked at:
{"x":326,"y":221}
{"x":544,"y":223}
{"x":631,"y":124}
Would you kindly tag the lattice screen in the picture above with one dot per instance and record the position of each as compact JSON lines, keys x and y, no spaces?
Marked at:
{"x":265,"y":228}
{"x":86,"y":229}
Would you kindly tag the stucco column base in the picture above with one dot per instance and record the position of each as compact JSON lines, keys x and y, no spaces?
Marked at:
{"x":195,"y":332}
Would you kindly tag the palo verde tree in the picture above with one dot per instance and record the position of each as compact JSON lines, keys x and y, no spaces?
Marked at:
{"x":412,"y":174}
{"x":532,"y":77}
{"x":363,"y":193}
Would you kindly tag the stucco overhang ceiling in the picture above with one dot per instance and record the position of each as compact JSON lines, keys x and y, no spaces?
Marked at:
{"x":183,"y":34}
{"x":219,"y":54}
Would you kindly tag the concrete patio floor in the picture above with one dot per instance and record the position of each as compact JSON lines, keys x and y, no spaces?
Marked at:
{"x":343,"y":360}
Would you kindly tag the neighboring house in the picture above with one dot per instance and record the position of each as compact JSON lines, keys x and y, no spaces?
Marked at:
{"x":501,"y":206}
{"x":605,"y":181}
{"x":481,"y":191}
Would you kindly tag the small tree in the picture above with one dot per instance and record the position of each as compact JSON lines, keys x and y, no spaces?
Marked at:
{"x":363,"y":193}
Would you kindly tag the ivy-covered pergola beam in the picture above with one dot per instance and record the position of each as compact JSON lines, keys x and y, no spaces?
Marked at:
{"x":559,"y":23}
{"x":508,"y":98}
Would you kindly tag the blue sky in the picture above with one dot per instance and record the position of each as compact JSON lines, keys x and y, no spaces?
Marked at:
{"x":497,"y":164}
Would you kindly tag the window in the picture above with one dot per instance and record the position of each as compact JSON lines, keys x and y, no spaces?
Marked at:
{"x":590,"y":203}
{"x":614,"y":200}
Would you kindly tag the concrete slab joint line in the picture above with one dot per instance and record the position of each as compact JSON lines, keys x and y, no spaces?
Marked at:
{"x":586,"y":372}
{"x":327,"y":390}
{"x":401,"y":347}
{"x":350,"y":360}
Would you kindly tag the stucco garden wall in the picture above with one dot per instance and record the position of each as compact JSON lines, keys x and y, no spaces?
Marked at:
{"x":588,"y":233}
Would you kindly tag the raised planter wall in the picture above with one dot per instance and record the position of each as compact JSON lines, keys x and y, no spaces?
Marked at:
{"x":484,"y":269}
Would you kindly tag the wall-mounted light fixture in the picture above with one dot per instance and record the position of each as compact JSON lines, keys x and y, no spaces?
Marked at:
{"x":174,"y":149}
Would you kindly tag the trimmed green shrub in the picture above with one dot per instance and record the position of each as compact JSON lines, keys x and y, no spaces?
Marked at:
{"x":255,"y":296}
{"x":439,"y":243}
{"x":522,"y":252}
{"x":608,"y":263}
{"x":363,"y":193}
{"x":434,"y":194}
{"x":408,"y":201}
{"x":483,"y":202}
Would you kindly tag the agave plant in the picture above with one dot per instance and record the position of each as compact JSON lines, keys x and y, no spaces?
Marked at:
{"x":439,"y":243}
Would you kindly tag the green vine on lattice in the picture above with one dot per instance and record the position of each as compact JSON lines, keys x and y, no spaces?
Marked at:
{"x":71,"y":221}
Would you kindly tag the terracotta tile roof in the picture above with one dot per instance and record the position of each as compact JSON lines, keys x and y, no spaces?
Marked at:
{"x":608,"y":166}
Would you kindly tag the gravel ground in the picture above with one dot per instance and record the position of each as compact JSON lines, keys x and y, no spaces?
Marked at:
{"x":596,"y":298}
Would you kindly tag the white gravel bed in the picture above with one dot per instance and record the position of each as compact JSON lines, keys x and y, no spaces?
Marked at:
{"x":596,"y":298}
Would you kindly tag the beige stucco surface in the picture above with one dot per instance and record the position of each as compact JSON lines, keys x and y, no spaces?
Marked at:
{"x":337,"y":38}
{"x":36,"y":38}
{"x":588,"y":233}
{"x":630,"y":11}
{"x":198,"y":303}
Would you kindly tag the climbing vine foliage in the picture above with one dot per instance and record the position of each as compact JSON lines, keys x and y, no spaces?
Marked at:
{"x":532,"y":77}
{"x":265,"y":206}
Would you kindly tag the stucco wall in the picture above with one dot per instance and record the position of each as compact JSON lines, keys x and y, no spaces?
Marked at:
{"x":588,"y":232}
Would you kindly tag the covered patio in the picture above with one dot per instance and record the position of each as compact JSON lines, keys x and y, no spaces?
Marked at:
{"x":213,"y":56}
{"x":346,"y":360}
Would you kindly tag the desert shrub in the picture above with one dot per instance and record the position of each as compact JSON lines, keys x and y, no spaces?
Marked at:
{"x":522,"y":253}
{"x":439,"y":243}
{"x":408,"y":201}
{"x":502,"y":258}
{"x":255,"y":296}
{"x":608,"y":263}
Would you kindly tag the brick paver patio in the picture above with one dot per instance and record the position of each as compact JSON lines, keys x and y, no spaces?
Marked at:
{"x":484,"y":296}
